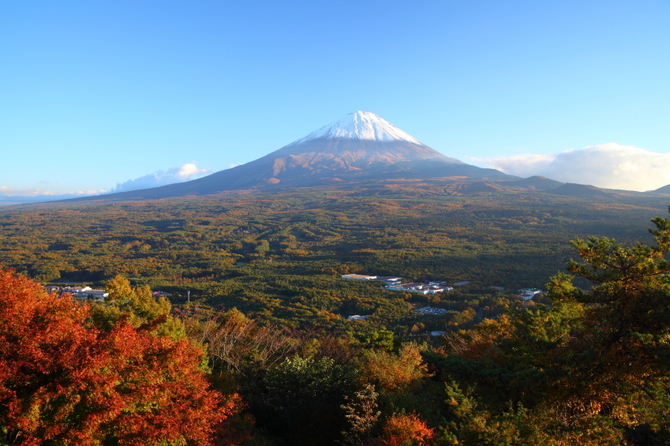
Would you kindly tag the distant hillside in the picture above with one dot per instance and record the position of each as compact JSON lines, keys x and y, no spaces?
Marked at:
{"x":535,"y":182}
{"x":663,"y":190}
{"x":581,"y":190}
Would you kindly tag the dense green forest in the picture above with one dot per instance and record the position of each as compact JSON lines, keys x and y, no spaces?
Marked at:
{"x":255,"y":282}
{"x":281,"y":256}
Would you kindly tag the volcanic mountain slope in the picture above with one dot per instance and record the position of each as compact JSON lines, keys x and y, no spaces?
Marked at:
{"x":360,"y":147}
{"x":536,"y":183}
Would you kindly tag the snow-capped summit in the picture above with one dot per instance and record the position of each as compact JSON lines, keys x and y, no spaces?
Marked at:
{"x":362,"y":126}
{"x":355,"y":141}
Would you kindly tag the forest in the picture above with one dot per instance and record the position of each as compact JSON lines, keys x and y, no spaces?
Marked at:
{"x":256,"y":315}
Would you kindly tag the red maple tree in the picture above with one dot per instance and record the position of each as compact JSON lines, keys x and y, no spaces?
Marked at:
{"x":64,"y":380}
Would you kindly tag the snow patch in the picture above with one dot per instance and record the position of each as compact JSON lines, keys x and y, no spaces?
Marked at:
{"x":362,"y":126}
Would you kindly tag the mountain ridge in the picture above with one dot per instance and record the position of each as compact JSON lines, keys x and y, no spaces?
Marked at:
{"x":359,"y":147}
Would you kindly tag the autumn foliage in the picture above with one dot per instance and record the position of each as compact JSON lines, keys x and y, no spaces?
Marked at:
{"x":394,"y":372}
{"x":63,"y":380}
{"x":405,"y":430}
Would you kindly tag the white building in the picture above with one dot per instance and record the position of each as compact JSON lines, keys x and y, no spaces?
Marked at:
{"x":527,"y":294}
{"x":423,"y":288}
{"x":86,"y":292}
{"x":358,"y":277}
{"x":431,"y":310}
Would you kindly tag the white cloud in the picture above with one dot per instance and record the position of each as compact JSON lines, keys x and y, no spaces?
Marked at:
{"x":11,"y":192}
{"x":9,"y":195}
{"x":186,"y":172}
{"x":609,"y":165}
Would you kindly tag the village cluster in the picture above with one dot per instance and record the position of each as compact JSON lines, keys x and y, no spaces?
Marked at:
{"x":395,"y":284}
{"x":391,"y":283}
{"x":81,"y":292}
{"x":86,"y":292}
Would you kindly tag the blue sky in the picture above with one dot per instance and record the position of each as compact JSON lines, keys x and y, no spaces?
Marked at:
{"x":94,"y":94}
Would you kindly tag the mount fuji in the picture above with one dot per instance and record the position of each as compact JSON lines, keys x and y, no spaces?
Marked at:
{"x":361,"y":147}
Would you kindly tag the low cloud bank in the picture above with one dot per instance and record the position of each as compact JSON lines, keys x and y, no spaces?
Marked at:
{"x":6,"y":191}
{"x":186,"y":172}
{"x":10,"y":195}
{"x":611,"y":166}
